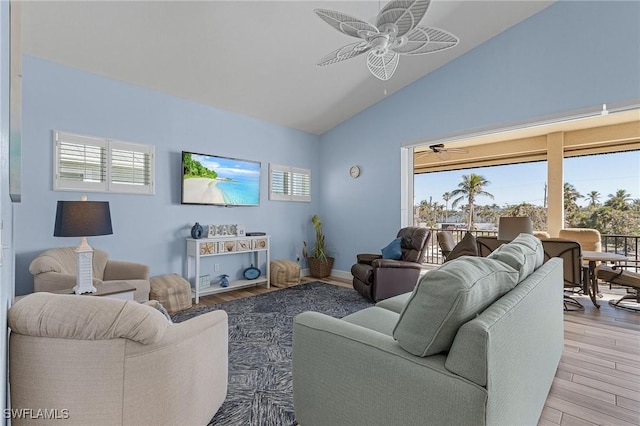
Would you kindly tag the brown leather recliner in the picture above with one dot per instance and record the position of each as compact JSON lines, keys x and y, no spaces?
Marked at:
{"x":378,"y":279}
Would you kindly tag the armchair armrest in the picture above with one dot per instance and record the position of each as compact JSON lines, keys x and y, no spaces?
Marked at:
{"x":188,"y":332}
{"x":390,"y":263}
{"x":376,"y":382}
{"x":122,"y":271}
{"x":53,"y":281}
{"x":367,"y":258}
{"x":187,"y":367}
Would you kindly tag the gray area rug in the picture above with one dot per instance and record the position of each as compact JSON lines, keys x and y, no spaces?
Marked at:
{"x":260,"y":339}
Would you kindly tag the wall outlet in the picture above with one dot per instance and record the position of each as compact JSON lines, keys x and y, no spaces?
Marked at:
{"x":216,"y":267}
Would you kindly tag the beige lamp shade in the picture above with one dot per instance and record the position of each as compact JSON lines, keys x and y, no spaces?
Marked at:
{"x":510,"y":227}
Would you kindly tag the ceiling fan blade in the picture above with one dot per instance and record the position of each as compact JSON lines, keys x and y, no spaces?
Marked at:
{"x":422,"y":154}
{"x":443,"y":155}
{"x":458,"y":150}
{"x":344,"y":23}
{"x":405,"y":14}
{"x":422,"y":40}
{"x":382,"y":67}
{"x":346,"y":52}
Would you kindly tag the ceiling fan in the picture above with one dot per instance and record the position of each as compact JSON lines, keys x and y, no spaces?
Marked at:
{"x":441,"y":151}
{"x":395,"y":32}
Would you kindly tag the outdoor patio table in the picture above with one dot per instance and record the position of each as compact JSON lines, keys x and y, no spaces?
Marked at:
{"x":593,"y":257}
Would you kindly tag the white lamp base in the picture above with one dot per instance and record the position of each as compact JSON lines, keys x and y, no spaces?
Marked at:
{"x":84,"y":269}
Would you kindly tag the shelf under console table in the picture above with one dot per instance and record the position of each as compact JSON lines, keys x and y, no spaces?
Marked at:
{"x":206,"y":247}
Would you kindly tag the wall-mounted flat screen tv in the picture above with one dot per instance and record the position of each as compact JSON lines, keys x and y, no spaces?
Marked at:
{"x":222,"y":181}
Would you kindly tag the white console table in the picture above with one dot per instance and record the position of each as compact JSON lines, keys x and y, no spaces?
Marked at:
{"x":222,"y":246}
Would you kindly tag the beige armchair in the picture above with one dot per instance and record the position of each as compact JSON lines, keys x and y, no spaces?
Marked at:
{"x":55,"y":269}
{"x":100,"y":361}
{"x":588,"y":238}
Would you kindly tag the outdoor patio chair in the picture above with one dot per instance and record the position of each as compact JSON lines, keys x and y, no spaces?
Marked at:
{"x":588,"y":238}
{"x":446,"y":242}
{"x":576,"y":275}
{"x":625,"y":278}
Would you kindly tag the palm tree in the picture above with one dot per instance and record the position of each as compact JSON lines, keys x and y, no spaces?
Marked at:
{"x":470,"y":187}
{"x":620,"y":200}
{"x":571,"y":195}
{"x":594,"y":197}
{"x":446,"y":197}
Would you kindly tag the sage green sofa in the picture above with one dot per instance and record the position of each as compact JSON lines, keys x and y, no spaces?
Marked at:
{"x":477,"y":342}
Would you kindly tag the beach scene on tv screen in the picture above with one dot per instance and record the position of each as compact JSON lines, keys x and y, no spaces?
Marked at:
{"x":217,"y":180}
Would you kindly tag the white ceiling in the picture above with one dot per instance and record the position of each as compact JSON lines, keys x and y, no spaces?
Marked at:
{"x":255,"y":58}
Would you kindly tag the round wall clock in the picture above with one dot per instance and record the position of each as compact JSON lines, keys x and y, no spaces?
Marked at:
{"x":354,"y":171}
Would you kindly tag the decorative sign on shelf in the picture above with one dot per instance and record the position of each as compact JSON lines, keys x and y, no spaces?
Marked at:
{"x":232,"y":230}
{"x":204,"y":281}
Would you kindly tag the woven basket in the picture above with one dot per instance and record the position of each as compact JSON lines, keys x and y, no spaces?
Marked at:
{"x":320,"y":268}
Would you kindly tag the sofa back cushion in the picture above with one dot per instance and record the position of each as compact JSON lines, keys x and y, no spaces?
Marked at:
{"x":65,"y":316}
{"x":448,"y":297}
{"x":525,"y":254}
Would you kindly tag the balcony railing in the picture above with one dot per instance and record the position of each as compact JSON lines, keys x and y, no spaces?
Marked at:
{"x":626,"y":245}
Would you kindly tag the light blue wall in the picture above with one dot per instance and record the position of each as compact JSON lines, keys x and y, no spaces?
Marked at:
{"x":570,"y":56}
{"x":149,"y":229}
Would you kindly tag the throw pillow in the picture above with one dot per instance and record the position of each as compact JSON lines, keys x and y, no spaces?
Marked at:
{"x":524,"y":254}
{"x":157,"y":305}
{"x":448,"y":297}
{"x":393,"y":250}
{"x":466,"y":247}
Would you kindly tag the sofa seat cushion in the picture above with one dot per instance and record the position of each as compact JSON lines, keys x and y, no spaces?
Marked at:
{"x":448,"y":297}
{"x":525,"y":254}
{"x":396,"y":303}
{"x":374,"y":318}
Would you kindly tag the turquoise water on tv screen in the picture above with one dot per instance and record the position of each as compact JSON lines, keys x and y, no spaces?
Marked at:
{"x":246,"y":190}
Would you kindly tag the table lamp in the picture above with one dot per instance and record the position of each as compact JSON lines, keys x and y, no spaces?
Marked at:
{"x":510,"y":227}
{"x":83,"y":219}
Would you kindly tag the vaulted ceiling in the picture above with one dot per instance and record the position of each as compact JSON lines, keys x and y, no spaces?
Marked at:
{"x":255,"y":58}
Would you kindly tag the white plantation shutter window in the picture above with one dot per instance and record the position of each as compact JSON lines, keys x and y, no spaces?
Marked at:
{"x":131,"y":167}
{"x":289,"y":183}
{"x":300,"y":184}
{"x":88,"y":163}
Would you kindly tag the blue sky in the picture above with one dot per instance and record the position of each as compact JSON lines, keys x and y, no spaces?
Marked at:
{"x":514,"y":184}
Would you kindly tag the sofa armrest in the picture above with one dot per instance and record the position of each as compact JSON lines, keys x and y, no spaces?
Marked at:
{"x":347,"y":374}
{"x":187,"y":367}
{"x":117,"y":270}
{"x":390,"y":263}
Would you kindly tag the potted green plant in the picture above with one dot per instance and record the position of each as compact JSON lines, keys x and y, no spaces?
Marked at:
{"x":320,"y":263}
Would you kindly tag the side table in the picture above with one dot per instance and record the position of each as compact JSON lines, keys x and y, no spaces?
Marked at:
{"x":114,"y":290}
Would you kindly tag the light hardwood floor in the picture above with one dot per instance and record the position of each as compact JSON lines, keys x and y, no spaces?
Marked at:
{"x":598,"y":379}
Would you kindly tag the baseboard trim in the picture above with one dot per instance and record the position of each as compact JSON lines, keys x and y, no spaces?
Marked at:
{"x":334,"y":273}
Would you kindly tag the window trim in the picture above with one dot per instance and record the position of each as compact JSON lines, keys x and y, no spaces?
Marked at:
{"x":107,"y":185}
{"x":289,"y":193}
